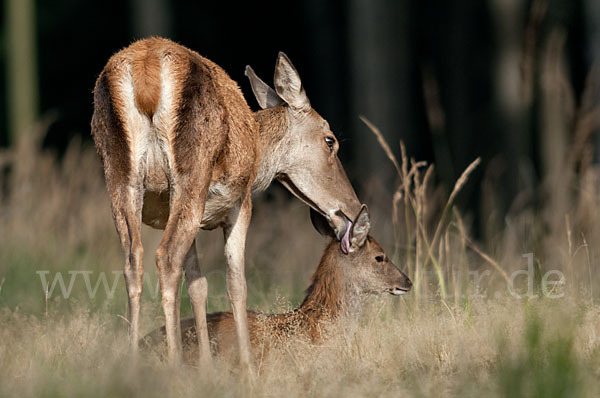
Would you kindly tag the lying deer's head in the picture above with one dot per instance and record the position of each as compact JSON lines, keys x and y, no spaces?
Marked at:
{"x":309,"y":167}
{"x":366,"y":268}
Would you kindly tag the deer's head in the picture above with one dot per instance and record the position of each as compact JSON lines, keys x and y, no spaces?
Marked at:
{"x":366,"y":268}
{"x":309,"y":167}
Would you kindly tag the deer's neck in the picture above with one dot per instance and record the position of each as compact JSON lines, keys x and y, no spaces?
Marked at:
{"x":273,"y":124}
{"x":330,"y":299}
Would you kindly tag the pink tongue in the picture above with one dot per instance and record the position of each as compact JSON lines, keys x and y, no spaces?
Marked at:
{"x":345,"y":243}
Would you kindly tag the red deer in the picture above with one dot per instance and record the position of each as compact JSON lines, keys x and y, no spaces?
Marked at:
{"x":182,"y":150}
{"x":334,"y":295}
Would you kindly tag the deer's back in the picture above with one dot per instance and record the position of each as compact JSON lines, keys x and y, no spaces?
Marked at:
{"x":158,"y":107}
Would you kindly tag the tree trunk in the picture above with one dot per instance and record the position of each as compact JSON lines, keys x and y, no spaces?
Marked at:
{"x":21,"y":67}
{"x":380,"y":80}
{"x":151,"y":18}
{"x":592,"y":22}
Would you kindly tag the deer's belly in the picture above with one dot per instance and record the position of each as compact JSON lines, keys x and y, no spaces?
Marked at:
{"x":219,"y":201}
{"x":155,"y":211}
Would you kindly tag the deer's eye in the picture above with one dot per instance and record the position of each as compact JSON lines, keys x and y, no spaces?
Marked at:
{"x":379,"y":259}
{"x":330,"y":141}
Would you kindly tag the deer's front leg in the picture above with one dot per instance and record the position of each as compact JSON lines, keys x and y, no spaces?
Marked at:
{"x":235,"y":243}
{"x":198,"y":291}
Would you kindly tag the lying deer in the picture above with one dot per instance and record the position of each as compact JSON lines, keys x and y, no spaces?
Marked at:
{"x":333,"y":296}
{"x":182,"y":150}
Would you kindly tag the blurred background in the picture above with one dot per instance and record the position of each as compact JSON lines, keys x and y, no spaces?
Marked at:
{"x":515,"y":82}
{"x":453,"y":79}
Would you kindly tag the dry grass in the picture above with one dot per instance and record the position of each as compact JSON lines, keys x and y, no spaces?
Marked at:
{"x":469,"y":340}
{"x":459,"y":333}
{"x":498,"y":348}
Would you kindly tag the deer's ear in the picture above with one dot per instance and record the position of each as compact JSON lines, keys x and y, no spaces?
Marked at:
{"x":288,"y":84}
{"x":265,"y":95}
{"x":360,"y":228}
{"x":321,"y":224}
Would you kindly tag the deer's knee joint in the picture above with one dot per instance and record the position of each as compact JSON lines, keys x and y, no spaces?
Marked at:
{"x":168,"y":297}
{"x":134,"y":286}
{"x":198,"y":289}
{"x":161,"y":256}
{"x":135,"y":294}
{"x":137,"y":254}
{"x":134,"y":277}
{"x":203,"y":285}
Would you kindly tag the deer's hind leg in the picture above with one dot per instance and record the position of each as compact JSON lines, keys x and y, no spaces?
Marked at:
{"x":127,"y":207}
{"x":126,"y":194}
{"x":199,"y":139}
{"x":188,"y":197}
{"x":127,"y":199}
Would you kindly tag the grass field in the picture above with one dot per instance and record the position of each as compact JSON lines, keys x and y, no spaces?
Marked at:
{"x":470,"y":327}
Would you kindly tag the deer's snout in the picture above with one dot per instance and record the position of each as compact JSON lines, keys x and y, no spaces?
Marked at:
{"x":402,"y":285}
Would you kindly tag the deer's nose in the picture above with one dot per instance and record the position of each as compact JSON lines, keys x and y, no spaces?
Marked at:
{"x":406,"y":283}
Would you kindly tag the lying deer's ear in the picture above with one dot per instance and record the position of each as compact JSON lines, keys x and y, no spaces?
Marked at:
{"x":265,"y":95}
{"x":288,"y":84}
{"x":360,"y":228}
{"x":321,"y":224}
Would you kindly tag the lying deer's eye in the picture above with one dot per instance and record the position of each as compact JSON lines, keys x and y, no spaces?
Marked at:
{"x":330,"y":142}
{"x":379,"y":259}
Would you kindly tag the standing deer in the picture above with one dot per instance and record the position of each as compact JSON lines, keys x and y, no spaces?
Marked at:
{"x":333,"y":296}
{"x":182,"y":150}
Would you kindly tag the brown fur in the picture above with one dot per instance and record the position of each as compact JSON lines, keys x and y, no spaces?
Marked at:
{"x":113,"y":148}
{"x":273,"y":124}
{"x":337,"y":283}
{"x":182,"y":151}
{"x":145,"y":65}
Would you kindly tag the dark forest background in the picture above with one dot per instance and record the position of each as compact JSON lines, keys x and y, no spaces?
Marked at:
{"x":454,"y":79}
